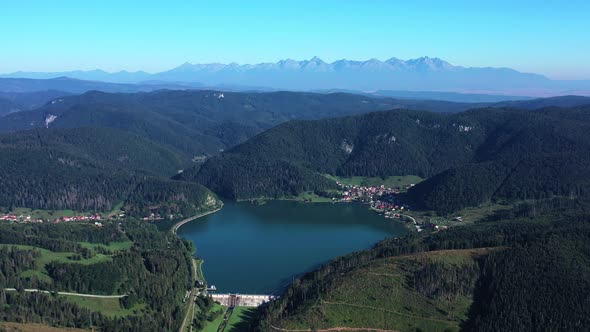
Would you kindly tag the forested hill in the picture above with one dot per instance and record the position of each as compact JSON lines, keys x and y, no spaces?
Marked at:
{"x":113,"y":147}
{"x":25,"y":101}
{"x":482,"y":153}
{"x":197,"y":122}
{"x":522,"y":274}
{"x":93,"y":169}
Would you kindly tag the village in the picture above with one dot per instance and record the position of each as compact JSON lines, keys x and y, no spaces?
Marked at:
{"x":383,"y":200}
{"x":28,"y":219}
{"x":95,"y":218}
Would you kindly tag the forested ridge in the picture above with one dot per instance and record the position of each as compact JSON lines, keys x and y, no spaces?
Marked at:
{"x":112,"y":147}
{"x":471,"y":157}
{"x":11,"y":102}
{"x":200,"y":122}
{"x":46,"y":178}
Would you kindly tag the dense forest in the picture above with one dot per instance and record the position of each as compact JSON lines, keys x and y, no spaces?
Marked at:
{"x":112,"y":147}
{"x":92,"y":169}
{"x":470,"y":157}
{"x":11,"y":102}
{"x":238,"y":177}
{"x":154,"y":272}
{"x":201,"y":122}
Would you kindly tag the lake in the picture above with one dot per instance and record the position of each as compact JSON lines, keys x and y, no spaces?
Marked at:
{"x":259,"y":249}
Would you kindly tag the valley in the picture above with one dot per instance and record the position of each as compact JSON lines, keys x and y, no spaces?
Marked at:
{"x":294,"y":166}
{"x":351,"y":212}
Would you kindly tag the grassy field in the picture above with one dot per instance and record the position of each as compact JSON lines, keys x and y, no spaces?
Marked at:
{"x":380,"y":295}
{"x":241,"y":319}
{"x":468,"y":215}
{"x":199,"y":262}
{"x":48,"y":256}
{"x":30,"y":327}
{"x":116,"y":209}
{"x":214,"y":325}
{"x":390,"y":181}
{"x":310,"y":197}
{"x":109,"y":307}
{"x":113,"y":246}
{"x":44,"y":214}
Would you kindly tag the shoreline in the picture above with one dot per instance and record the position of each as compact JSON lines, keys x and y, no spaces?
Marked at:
{"x":176,"y":226}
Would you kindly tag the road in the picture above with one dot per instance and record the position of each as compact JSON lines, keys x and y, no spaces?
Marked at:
{"x":191,"y":306}
{"x":33,"y":290}
{"x":176,"y":226}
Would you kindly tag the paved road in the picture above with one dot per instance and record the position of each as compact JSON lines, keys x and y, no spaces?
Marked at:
{"x":33,"y":290}
{"x":191,"y":309}
{"x":184,"y":221}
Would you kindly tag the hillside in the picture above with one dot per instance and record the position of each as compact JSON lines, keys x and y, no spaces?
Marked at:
{"x":113,"y":147}
{"x":482,"y":277}
{"x":20,"y":83}
{"x":481,"y":154}
{"x":200,"y":123}
{"x":90,"y":170}
{"x":25,"y":101}
{"x":148,"y":269}
{"x":423,"y":291}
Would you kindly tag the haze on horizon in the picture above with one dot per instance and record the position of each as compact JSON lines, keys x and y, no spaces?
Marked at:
{"x":548,"y":38}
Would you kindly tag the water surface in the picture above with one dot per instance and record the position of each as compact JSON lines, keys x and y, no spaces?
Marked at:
{"x":259,"y":249}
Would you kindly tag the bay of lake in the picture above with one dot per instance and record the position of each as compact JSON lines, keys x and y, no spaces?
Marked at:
{"x":259,"y":249}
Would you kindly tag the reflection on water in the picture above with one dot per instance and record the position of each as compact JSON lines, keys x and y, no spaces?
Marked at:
{"x":260,"y":248}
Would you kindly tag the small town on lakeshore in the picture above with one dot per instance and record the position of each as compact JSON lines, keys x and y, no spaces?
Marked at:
{"x":385,"y":199}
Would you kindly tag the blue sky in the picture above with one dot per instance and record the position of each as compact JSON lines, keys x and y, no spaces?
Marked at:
{"x":545,"y":36}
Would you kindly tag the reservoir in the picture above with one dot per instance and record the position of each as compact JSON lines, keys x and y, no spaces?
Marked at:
{"x":259,"y":249}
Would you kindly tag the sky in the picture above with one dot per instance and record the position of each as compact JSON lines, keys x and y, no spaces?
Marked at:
{"x":545,"y":36}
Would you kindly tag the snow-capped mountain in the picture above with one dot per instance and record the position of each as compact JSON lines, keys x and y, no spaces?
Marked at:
{"x":422,"y":74}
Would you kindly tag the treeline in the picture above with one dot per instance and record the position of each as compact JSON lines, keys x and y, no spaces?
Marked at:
{"x":437,"y":281}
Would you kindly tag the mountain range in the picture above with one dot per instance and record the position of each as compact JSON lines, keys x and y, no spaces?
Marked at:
{"x":419,"y":74}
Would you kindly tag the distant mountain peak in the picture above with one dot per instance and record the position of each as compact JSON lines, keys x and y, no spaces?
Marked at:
{"x":417,"y":74}
{"x":426,"y":62}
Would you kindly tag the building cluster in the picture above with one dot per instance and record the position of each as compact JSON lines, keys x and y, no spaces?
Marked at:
{"x":156,"y":216}
{"x":96,"y":218}
{"x":92,"y":217}
{"x":19,"y":218}
{"x":364,"y":194}
{"x":381,"y":199}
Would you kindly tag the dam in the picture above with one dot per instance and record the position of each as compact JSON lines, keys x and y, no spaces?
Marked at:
{"x":242,"y":300}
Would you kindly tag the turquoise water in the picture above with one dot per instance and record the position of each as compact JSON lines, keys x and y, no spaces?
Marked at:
{"x":259,"y":249}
